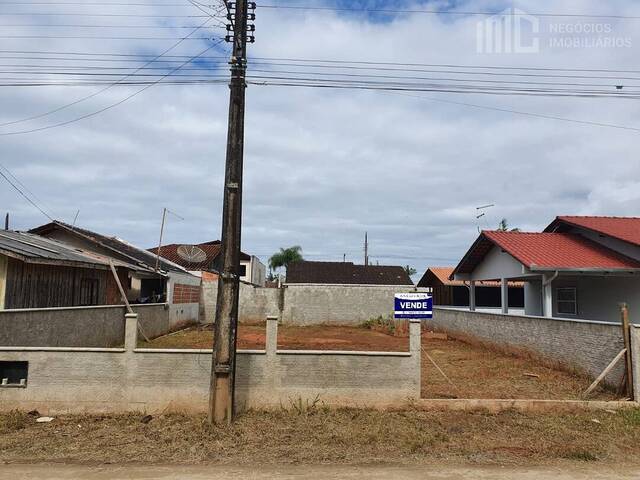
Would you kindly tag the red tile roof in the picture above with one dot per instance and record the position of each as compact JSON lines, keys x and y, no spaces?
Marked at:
{"x":443,"y":274}
{"x":622,"y":228}
{"x":559,"y":250}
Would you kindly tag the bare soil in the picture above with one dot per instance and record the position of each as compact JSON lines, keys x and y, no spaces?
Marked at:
{"x":479,"y":372}
{"x":319,"y":435}
{"x":474,"y":370}
{"x":316,"y":337}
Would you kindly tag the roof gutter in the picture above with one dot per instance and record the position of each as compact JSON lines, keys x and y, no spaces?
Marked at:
{"x":549,"y":280}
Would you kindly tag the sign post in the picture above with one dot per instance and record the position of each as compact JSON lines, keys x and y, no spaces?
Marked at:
{"x":413,"y":306}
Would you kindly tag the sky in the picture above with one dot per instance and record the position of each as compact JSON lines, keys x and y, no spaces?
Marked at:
{"x":324,"y":166}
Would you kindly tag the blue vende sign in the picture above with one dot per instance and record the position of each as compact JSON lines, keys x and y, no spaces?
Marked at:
{"x":413,"y":305}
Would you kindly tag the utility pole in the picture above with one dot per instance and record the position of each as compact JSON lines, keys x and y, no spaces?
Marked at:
{"x":366,"y":249}
{"x":6,"y":221}
{"x":221,"y":392}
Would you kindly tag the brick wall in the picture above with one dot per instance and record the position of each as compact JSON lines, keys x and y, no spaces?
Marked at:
{"x":186,"y":293}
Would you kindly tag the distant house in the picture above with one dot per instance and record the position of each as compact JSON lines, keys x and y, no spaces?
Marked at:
{"x":579,"y":267}
{"x":37,"y":272}
{"x":252,"y":270}
{"x":169,"y":283}
{"x":346,"y":273}
{"x":456,"y":292}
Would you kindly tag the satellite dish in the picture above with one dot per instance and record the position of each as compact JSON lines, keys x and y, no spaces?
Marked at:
{"x":191,"y":253}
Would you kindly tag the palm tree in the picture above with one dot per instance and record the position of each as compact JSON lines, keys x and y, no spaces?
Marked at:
{"x":410,"y":270}
{"x":285,"y":257}
{"x":503,"y":226}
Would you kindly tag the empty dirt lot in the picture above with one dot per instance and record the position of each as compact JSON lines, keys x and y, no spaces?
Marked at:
{"x":473,"y":371}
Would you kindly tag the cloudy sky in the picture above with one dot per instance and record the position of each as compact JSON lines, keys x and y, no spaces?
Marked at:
{"x":322,"y":166}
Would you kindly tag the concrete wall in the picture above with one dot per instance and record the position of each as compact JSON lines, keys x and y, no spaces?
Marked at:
{"x":341,"y":304}
{"x":130,"y":379}
{"x":302,"y":304}
{"x":598,"y":297}
{"x":101,"y":326}
{"x":256,"y":303}
{"x":581,"y":345}
{"x":496,"y":265}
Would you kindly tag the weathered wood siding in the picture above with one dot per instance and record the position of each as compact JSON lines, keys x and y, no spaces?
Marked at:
{"x":43,"y":286}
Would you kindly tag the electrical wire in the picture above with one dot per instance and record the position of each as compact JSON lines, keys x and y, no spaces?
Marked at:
{"x":24,"y":195}
{"x":87,"y":97}
{"x":520,"y":112}
{"x":447,"y":12}
{"x":104,"y":109}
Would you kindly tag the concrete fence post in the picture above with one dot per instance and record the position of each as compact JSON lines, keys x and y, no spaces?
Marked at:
{"x":635,"y":360}
{"x":415,"y":348}
{"x":271,"y":342}
{"x":130,"y":331}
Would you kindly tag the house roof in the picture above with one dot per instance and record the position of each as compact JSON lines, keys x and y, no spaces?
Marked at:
{"x":626,"y":229}
{"x":31,"y":248}
{"x":345,"y":273}
{"x":211,"y":249}
{"x":136,"y":255}
{"x":443,"y":275}
{"x":547,"y":251}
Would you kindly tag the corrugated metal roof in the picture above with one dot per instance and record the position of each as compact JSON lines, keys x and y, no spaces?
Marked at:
{"x":36,"y":249}
{"x":145,"y":260}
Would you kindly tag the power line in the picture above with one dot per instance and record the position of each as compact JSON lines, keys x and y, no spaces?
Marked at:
{"x":449,"y":12}
{"x":24,"y":195}
{"x":104,"y":109}
{"x":87,"y":97}
{"x":519,"y":112}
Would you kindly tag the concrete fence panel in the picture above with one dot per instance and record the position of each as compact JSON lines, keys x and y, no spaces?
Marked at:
{"x":129,"y":379}
{"x":96,"y":326}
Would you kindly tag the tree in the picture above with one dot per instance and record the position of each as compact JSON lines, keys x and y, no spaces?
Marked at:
{"x":503,"y":226}
{"x":410,"y":270}
{"x":285,"y":257}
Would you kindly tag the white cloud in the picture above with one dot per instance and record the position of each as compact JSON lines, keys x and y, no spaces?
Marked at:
{"x":322,"y":166}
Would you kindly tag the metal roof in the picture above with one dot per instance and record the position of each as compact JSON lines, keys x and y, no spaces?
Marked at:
{"x":144,"y":259}
{"x":32,"y":248}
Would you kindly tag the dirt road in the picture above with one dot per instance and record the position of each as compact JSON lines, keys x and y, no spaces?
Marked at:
{"x":119,"y":472}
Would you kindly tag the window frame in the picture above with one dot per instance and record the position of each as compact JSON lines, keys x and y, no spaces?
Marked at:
{"x":566,"y":302}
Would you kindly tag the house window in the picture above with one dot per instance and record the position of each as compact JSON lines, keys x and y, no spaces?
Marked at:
{"x":566,"y":301}
{"x":243,"y":270}
{"x":13,"y":374}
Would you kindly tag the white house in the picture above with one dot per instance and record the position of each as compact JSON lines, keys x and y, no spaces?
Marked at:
{"x":579,"y":267}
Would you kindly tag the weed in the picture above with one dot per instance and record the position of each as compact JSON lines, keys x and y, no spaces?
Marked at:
{"x":305,"y":407}
{"x":13,"y":421}
{"x":385,"y":324}
{"x":581,"y":455}
{"x":631,"y":417}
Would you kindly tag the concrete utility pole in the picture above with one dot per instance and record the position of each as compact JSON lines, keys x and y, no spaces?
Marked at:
{"x":366,"y":249}
{"x":221,"y":393}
